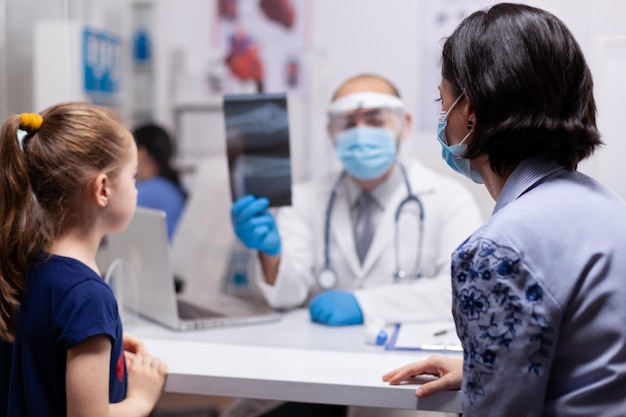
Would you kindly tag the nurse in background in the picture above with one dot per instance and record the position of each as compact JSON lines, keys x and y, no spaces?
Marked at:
{"x":538,"y":291}
{"x":321,"y":253}
{"x":158,"y":182}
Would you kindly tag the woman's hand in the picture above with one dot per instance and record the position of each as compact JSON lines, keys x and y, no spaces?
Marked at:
{"x":449,"y":371}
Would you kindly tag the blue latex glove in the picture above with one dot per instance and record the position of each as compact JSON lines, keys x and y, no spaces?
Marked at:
{"x":254,"y":225}
{"x":336,"y":308}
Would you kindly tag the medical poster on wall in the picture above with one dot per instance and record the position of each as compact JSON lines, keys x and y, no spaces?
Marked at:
{"x":101,"y":71}
{"x":262,"y":43}
{"x":439,"y":19}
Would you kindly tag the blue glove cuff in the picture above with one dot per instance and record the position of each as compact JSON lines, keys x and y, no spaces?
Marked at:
{"x":272,"y":249}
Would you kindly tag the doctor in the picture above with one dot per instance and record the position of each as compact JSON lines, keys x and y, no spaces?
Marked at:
{"x":372,"y":241}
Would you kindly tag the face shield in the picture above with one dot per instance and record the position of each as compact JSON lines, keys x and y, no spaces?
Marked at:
{"x":369,"y":109}
{"x":365,"y":128}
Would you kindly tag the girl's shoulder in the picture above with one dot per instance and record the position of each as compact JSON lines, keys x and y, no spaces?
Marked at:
{"x":60,"y":271}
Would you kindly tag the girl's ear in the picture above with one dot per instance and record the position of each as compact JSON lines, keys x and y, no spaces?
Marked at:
{"x":101,"y":190}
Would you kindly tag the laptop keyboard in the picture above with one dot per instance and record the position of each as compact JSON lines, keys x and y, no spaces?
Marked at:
{"x":188,"y":311}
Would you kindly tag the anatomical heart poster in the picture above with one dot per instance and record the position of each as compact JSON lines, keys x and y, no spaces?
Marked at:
{"x":262,"y":43}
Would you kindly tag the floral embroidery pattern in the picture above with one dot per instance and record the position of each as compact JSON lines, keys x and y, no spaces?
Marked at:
{"x":496,"y":305}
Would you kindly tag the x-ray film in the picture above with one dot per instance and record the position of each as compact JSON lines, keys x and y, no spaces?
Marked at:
{"x":257,"y":139}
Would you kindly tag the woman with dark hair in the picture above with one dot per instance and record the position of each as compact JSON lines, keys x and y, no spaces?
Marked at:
{"x":539,"y":290}
{"x":158,"y":182}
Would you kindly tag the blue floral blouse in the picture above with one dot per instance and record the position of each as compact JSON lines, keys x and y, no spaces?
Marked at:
{"x":539,"y":299}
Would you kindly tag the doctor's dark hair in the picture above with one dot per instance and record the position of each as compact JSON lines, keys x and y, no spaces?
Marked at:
{"x":160,"y":146}
{"x":528,"y":83}
{"x":44,"y":182}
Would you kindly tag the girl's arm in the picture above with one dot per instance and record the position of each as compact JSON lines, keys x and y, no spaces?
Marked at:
{"x":133,"y":344}
{"x":87,"y":381}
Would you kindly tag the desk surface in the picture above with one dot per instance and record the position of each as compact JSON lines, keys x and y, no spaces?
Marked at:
{"x":291,"y":359}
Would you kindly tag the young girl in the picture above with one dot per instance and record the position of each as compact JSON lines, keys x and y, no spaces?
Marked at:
{"x":63,"y":185}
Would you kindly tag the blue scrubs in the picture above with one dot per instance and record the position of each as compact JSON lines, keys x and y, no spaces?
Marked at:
{"x":162,"y":194}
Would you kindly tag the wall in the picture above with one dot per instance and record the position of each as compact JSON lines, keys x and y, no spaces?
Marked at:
{"x":17,"y":56}
{"x":384,"y":37}
{"x":380,"y":36}
{"x":347,"y":37}
{"x":20,"y":17}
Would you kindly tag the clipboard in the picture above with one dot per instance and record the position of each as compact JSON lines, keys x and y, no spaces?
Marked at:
{"x":437,"y":336}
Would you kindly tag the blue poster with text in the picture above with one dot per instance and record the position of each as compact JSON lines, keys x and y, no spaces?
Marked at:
{"x":101,"y":51}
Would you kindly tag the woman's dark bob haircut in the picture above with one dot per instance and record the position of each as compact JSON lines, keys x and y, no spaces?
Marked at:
{"x":528,"y":83}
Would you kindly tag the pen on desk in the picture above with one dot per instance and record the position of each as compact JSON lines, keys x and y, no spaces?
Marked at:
{"x":440,"y":332}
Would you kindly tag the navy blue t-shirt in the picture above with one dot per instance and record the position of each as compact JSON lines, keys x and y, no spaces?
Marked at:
{"x":65,"y":302}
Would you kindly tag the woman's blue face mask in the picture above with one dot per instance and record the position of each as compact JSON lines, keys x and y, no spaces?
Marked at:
{"x":366,"y":152}
{"x":452,"y":154}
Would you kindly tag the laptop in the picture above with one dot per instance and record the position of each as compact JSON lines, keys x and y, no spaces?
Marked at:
{"x":143,"y":253}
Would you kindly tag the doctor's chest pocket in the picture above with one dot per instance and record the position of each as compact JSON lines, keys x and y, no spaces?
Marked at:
{"x":416,"y":251}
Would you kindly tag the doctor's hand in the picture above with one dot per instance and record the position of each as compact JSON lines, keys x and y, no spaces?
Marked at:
{"x":254,"y":225}
{"x":449,"y":371}
{"x":336,"y":308}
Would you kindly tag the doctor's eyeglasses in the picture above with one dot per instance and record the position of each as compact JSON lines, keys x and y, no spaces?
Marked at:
{"x":373,"y":117}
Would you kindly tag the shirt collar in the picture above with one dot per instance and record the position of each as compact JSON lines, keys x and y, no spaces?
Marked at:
{"x":381,"y":194}
{"x":528,"y":174}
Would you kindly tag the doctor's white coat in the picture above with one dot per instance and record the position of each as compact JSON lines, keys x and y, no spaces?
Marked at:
{"x":450,"y":216}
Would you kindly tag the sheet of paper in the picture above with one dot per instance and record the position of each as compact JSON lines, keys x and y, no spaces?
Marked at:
{"x":434,"y":335}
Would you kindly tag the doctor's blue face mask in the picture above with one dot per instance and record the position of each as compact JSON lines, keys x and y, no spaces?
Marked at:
{"x":366,"y":152}
{"x":452,"y":154}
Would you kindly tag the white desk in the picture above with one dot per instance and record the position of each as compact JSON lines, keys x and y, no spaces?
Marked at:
{"x":292,"y":360}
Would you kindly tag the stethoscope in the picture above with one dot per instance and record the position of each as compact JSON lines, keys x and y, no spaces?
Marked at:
{"x":327,"y":278}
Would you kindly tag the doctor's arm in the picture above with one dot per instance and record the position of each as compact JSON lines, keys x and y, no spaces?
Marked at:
{"x":256,"y":227}
{"x":284,"y":278}
{"x":269,"y":266}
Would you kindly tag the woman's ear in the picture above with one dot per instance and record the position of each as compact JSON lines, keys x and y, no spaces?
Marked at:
{"x":101,"y":190}
{"x":468,"y":110}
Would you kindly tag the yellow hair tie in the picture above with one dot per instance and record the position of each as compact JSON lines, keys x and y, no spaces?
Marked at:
{"x":31,"y":122}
